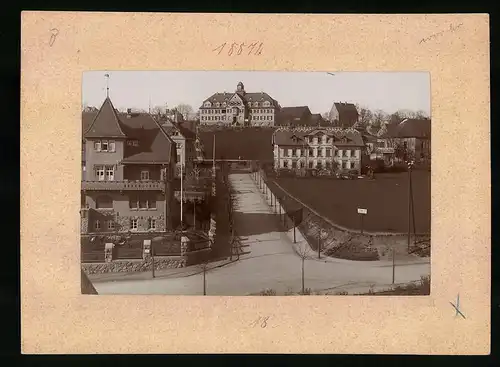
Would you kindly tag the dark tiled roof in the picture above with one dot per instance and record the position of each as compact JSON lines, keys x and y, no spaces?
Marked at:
{"x":296,"y":137}
{"x":154,"y":144}
{"x":87,"y":119}
{"x":247,"y":97}
{"x":298,"y":115}
{"x":106,"y":123}
{"x":414,"y":128}
{"x":171,"y":127}
{"x":408,"y":128}
{"x":296,"y":111}
{"x":346,"y":110}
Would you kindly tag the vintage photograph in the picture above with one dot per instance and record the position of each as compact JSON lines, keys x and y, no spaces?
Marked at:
{"x":256,"y":183}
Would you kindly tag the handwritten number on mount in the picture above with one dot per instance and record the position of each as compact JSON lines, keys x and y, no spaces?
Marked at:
{"x":262,"y":321}
{"x":220,"y":48}
{"x":238,"y":48}
{"x":53,"y":34}
{"x":241,"y":48}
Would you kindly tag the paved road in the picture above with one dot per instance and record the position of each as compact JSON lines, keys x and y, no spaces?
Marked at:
{"x":270,"y":261}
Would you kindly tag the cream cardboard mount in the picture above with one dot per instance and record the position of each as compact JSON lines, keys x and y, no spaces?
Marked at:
{"x":58,"y":47}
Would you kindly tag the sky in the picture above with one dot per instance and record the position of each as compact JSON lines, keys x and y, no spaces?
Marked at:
{"x":387,"y":91}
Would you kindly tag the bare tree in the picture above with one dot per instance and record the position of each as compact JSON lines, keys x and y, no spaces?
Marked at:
{"x":158,"y":110}
{"x":304,"y":253}
{"x":365,"y":116}
{"x":421,"y":114}
{"x":379,"y":117}
{"x":184,"y":109}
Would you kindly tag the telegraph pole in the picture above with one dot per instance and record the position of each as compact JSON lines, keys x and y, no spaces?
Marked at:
{"x":410,"y":166}
{"x":319,"y":243}
{"x":393,"y":264}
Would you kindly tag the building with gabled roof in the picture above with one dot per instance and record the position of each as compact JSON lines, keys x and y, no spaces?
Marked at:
{"x":294,"y":116}
{"x":411,"y":136}
{"x":239,"y":108}
{"x":343,"y":114}
{"x":128,"y":171}
{"x":317,"y":148}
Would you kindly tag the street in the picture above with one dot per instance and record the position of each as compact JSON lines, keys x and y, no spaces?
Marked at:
{"x":269,"y":261}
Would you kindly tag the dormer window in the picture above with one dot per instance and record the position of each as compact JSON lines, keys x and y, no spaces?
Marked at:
{"x":207,"y":104}
{"x":256,"y":104}
{"x":266,"y":104}
{"x":217,"y":104}
{"x":224,"y":104}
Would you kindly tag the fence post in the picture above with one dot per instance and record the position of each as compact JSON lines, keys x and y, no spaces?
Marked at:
{"x":108,"y":252}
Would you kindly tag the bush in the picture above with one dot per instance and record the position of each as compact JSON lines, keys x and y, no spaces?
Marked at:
{"x":267,"y":292}
{"x":307,"y":292}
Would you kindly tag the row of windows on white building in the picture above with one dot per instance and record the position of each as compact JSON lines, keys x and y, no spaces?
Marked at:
{"x":224,"y":104}
{"x":253,"y":110}
{"x":110,"y":224}
{"x":225,"y":117}
{"x":315,"y":164}
{"x":316,"y":152}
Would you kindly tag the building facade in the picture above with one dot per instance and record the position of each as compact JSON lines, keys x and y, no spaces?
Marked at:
{"x":329,"y":149}
{"x":127,"y":173}
{"x":239,"y":108}
{"x":185,"y":143}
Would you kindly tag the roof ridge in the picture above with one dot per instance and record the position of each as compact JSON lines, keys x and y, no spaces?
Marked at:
{"x":118,"y":121}
{"x":158,"y":125}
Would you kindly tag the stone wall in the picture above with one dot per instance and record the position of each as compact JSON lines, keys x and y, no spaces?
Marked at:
{"x":125,"y":266}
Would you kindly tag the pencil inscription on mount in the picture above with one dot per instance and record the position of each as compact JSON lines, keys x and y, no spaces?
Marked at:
{"x":452,"y":28}
{"x":256,"y":183}
{"x":234,"y":48}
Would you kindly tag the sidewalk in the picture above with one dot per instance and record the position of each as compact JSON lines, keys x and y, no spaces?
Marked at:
{"x":160,"y":274}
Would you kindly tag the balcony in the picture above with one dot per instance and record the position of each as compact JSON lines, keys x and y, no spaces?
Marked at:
{"x":123,"y":185}
{"x":385,"y":150}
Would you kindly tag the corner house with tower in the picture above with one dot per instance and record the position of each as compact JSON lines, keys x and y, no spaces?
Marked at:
{"x":128,"y":171}
{"x":239,"y":108}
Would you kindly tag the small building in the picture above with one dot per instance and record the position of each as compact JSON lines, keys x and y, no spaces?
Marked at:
{"x":128,"y":165}
{"x":343,"y":114}
{"x":305,"y":149}
{"x":294,"y":116}
{"x":410,"y":139}
{"x":185,"y":142}
{"x":414,"y":135}
{"x":239,"y":108}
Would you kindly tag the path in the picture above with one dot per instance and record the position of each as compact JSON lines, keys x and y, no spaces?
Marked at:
{"x":269,"y":261}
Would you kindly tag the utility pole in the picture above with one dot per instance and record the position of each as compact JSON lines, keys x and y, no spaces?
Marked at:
{"x":204,"y":279}
{"x":153,"y":258}
{"x":319,"y":243}
{"x":410,"y":166}
{"x":393,"y":264}
{"x":294,"y":222}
